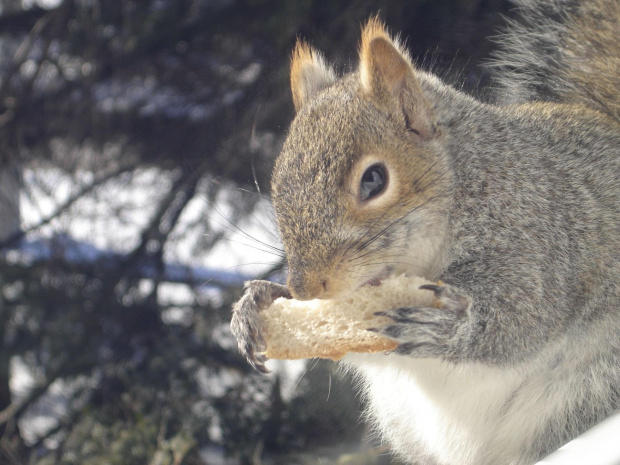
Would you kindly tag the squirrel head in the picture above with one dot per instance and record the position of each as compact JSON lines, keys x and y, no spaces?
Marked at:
{"x":360,"y":187}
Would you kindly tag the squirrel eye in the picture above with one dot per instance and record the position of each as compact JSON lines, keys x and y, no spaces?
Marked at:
{"x":373,"y":181}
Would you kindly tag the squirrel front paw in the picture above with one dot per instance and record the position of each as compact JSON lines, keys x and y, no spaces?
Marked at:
{"x":427,"y":331}
{"x":246,"y":325}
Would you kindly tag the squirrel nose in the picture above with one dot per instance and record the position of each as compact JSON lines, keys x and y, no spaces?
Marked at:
{"x":307,"y":287}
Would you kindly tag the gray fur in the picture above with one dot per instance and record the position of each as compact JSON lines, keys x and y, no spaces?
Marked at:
{"x":561,"y":51}
{"x":516,"y":208}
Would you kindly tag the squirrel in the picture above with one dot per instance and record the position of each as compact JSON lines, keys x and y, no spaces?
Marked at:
{"x":513,"y":204}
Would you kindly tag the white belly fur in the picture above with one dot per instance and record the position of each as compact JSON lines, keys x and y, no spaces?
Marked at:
{"x":433,"y":412}
{"x":440,"y":413}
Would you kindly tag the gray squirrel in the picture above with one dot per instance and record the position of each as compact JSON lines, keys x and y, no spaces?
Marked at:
{"x":514,"y":205}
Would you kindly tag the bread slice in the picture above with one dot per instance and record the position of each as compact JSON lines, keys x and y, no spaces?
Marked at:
{"x":331,"y":328}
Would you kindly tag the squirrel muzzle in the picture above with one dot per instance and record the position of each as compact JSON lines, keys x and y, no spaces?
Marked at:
{"x":308,"y":285}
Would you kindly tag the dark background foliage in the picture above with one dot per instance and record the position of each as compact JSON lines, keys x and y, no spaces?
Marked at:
{"x":133,"y":136}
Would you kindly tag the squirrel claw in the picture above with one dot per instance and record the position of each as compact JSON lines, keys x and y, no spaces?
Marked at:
{"x":426,"y":331}
{"x":449,"y":297}
{"x":258,"y":363}
{"x":438,"y":290}
{"x":246,"y":325}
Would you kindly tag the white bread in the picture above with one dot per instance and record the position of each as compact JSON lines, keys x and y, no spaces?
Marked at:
{"x":331,"y":328}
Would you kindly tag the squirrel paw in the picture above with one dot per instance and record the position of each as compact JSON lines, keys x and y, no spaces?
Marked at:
{"x":427,"y":331}
{"x":246,"y":325}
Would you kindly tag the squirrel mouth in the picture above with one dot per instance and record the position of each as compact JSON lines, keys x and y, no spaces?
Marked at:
{"x":376,"y":281}
{"x":373,"y":282}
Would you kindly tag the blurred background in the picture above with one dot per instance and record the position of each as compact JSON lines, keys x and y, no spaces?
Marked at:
{"x":136,"y":142}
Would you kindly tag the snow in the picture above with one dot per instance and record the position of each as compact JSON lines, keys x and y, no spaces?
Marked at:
{"x":108,"y":221}
{"x":149,"y":98}
{"x":45,"y":4}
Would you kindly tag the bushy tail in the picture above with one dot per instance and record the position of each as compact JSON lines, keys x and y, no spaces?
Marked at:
{"x":563,"y":51}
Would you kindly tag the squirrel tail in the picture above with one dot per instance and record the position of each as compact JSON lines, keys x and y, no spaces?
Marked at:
{"x":562,"y":51}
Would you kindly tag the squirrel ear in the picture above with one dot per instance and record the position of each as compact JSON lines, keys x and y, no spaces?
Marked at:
{"x":387,"y":74}
{"x":309,"y":73}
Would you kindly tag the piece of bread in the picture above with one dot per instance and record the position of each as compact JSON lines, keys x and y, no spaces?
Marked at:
{"x":331,"y":328}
